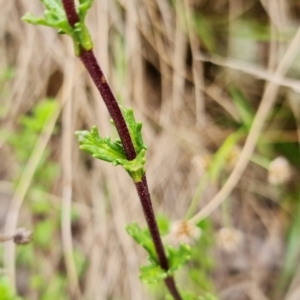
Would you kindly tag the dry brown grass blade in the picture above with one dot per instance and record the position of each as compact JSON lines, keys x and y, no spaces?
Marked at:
{"x":179,"y":56}
{"x":268,"y":99}
{"x":197,"y":68}
{"x":253,"y":70}
{"x":67,"y":188}
{"x":293,"y":292}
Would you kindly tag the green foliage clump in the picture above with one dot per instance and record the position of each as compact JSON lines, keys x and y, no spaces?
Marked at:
{"x":46,"y":217}
{"x":112,"y":151}
{"x":6,"y":292}
{"x":55,"y":17}
{"x":196,"y":258}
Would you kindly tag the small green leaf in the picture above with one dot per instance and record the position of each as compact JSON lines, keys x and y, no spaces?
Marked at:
{"x":152,"y":273}
{"x":54,"y":16}
{"x":50,"y":20}
{"x":55,"y":6}
{"x":163,"y":224}
{"x":31,"y":19}
{"x":101,"y":148}
{"x":83,"y":36}
{"x":135,"y":129}
{"x":143,"y":238}
{"x":177,"y":257}
{"x":134,"y":167}
{"x":105,"y":149}
{"x":83,"y":7}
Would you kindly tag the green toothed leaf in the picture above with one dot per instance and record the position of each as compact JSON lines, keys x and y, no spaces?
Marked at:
{"x":177,"y":257}
{"x":107,"y":150}
{"x":83,"y":7}
{"x":55,"y":17}
{"x":83,"y":37}
{"x":143,"y":238}
{"x":135,"y":129}
{"x":152,"y":273}
{"x":101,"y":148}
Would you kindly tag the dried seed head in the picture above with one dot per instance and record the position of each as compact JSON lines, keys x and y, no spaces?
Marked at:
{"x":183,"y":232}
{"x":201,"y":162}
{"x":22,"y":236}
{"x":279,"y":171}
{"x":229,"y":239}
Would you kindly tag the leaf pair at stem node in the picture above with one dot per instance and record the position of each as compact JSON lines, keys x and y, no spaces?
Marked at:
{"x":112,"y":151}
{"x":55,"y":16}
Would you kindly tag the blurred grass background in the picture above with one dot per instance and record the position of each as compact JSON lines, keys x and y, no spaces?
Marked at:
{"x":195,"y":72}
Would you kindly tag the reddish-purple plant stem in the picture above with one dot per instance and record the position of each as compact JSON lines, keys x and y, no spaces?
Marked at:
{"x":92,"y":66}
{"x":72,"y":16}
{"x":170,"y":283}
{"x":144,"y":195}
{"x":90,"y":62}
